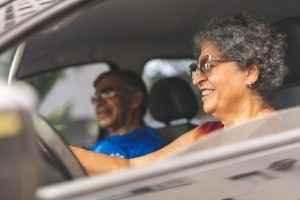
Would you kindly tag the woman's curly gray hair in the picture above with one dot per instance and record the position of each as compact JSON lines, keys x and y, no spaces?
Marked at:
{"x":247,"y":39}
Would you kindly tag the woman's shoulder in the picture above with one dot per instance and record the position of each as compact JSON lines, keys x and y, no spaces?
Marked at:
{"x":208,"y":127}
{"x":199,"y":131}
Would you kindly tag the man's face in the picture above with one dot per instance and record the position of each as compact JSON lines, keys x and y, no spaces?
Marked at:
{"x":113,"y":109}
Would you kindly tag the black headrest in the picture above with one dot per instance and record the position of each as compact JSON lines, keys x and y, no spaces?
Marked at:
{"x":291,"y":28}
{"x":171,"y":99}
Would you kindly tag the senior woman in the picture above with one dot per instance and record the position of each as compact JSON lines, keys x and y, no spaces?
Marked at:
{"x":240,"y":62}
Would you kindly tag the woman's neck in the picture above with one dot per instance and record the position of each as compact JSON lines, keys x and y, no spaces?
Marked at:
{"x":245,"y":113}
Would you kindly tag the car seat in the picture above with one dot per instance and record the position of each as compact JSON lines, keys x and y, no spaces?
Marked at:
{"x":172,"y":99}
{"x":289,"y":94}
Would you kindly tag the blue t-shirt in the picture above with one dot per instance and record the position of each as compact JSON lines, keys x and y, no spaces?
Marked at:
{"x":137,"y":143}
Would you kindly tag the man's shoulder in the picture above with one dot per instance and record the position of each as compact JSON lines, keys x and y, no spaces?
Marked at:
{"x":146,"y":130}
{"x":148,"y":135}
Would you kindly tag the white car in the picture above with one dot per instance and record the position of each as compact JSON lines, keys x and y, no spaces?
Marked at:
{"x":60,"y":46}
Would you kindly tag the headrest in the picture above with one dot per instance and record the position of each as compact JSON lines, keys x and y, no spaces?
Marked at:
{"x":171,"y":99}
{"x":291,"y":28}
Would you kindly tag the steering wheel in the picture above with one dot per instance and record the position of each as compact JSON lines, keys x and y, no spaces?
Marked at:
{"x":55,"y":150}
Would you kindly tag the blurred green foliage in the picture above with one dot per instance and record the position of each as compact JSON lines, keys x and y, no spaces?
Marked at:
{"x":60,"y":117}
{"x":44,"y":82}
{"x":6,"y":59}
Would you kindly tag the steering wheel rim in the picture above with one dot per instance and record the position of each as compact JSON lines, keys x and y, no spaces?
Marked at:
{"x":57,"y":147}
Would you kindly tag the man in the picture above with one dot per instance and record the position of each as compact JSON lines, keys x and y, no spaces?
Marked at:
{"x":120,"y":103}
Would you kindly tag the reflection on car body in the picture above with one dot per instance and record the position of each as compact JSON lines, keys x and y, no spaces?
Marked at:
{"x":208,"y":170}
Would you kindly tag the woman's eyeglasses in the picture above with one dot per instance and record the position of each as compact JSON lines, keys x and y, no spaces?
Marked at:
{"x":205,"y":65}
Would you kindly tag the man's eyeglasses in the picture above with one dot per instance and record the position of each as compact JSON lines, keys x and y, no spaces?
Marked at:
{"x":105,"y":93}
{"x":205,"y":64}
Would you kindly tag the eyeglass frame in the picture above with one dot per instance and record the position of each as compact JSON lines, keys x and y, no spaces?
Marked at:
{"x":195,"y":66}
{"x":107,"y":94}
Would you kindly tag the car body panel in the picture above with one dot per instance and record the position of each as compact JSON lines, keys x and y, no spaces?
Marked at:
{"x":242,"y":168}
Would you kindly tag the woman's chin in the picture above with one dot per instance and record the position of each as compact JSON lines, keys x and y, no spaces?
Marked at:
{"x":209,"y":109}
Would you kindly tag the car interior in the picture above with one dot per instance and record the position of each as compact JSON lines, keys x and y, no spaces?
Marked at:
{"x":125,"y":34}
{"x":288,"y":94}
{"x":164,"y":109}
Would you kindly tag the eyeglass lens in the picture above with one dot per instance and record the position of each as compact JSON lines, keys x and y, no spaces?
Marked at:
{"x":203,"y":66}
{"x":104,"y":94}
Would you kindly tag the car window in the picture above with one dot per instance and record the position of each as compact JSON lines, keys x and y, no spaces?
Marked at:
{"x":65,"y":100}
{"x":6,"y":59}
{"x":157,"y":69}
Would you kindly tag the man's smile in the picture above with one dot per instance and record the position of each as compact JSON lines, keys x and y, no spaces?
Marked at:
{"x":103,"y":112}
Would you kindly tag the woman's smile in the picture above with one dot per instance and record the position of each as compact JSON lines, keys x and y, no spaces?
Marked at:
{"x":205,"y":92}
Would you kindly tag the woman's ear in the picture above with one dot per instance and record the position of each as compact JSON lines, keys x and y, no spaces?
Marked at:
{"x":252,"y":74}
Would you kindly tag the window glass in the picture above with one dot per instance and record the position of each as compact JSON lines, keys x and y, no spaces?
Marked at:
{"x":65,"y":100}
{"x":6,"y":59}
{"x":157,"y":69}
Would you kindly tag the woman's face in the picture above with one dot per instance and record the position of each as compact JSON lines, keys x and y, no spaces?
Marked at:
{"x":223,"y":88}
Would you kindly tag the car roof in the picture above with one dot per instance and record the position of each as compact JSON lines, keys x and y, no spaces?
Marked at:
{"x":129,"y":33}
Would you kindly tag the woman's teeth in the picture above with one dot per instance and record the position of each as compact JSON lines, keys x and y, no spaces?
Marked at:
{"x":206,"y":92}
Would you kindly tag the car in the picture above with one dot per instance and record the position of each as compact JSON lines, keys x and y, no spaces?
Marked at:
{"x":49,"y":44}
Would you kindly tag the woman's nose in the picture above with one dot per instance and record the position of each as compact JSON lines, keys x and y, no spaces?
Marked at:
{"x":199,"y":77}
